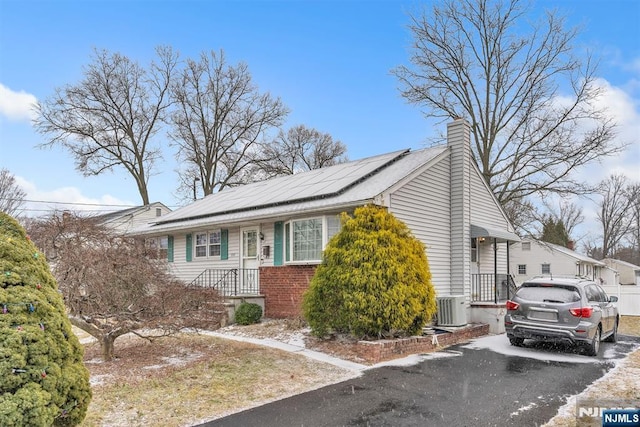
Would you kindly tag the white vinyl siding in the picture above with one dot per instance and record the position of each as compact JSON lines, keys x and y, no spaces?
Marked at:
{"x":423,"y":204}
{"x":187,"y":271}
{"x":484,"y":208}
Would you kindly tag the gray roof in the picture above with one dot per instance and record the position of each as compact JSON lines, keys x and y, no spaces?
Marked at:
{"x":334,"y":187}
{"x":499,"y":235}
{"x":116,"y":215}
{"x":572,"y":253}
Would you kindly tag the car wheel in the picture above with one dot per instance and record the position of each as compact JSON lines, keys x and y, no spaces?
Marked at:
{"x":594,"y":347}
{"x":516,"y":341}
{"x":614,"y":335}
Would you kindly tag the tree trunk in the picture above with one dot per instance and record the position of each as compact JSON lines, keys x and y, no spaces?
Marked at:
{"x":107,"y":345}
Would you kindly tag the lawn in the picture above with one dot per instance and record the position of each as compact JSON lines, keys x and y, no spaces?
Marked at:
{"x":188,"y":379}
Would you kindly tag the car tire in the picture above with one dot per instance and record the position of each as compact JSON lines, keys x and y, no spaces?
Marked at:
{"x":515,"y":341}
{"x":614,"y":335}
{"x":594,"y":346}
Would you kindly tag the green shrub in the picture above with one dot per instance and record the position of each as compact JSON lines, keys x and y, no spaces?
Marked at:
{"x":374,"y":280}
{"x":43,"y":379}
{"x":248,"y":313}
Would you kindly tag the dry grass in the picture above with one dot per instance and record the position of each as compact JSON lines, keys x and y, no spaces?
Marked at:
{"x":191,"y":378}
{"x":629,"y":325}
{"x":188,"y":379}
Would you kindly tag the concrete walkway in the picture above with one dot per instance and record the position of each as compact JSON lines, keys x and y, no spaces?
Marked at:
{"x":316,"y":355}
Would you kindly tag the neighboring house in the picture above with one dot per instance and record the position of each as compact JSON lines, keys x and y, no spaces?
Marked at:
{"x":629,"y":273}
{"x":531,"y":258}
{"x":125,"y":220}
{"x":267,"y":238}
{"x":628,"y":289}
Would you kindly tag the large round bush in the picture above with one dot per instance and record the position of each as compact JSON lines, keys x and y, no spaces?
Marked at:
{"x":374,"y":280}
{"x":43,"y":379}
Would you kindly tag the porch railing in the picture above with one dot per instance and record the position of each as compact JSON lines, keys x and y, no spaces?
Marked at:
{"x":492,"y":287}
{"x":230,"y":282}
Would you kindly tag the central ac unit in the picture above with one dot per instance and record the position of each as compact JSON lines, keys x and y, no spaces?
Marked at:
{"x":452,"y":311}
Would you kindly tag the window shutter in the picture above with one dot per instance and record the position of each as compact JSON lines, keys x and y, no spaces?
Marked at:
{"x":189,"y":247}
{"x":169,"y":248}
{"x":224,"y":244}
{"x":287,"y":240}
{"x":277,"y":243}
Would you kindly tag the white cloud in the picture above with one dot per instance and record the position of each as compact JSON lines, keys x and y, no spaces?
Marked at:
{"x":16,"y":105}
{"x":67,"y":198}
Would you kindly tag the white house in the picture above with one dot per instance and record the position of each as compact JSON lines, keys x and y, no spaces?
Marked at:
{"x":266,"y":238}
{"x":628,"y":288}
{"x":531,"y":258}
{"x":629,"y":273}
{"x":125,"y":220}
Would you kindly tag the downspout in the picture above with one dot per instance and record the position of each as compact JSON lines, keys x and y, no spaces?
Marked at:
{"x":495,"y":270}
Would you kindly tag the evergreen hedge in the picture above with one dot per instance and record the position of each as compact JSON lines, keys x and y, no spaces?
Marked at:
{"x":374,"y":280}
{"x":43,"y":379}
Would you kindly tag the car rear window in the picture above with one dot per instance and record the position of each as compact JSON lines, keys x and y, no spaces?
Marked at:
{"x":548,"y":293}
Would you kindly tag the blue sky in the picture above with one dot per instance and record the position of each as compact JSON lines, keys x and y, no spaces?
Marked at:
{"x":329,"y":62}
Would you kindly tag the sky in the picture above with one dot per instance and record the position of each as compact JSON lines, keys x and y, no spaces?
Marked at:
{"x":329,"y":61}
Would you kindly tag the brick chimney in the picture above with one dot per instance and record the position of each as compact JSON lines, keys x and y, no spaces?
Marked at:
{"x":458,"y":140}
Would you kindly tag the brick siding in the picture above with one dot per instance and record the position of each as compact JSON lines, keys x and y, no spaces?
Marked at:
{"x":283,"y":287}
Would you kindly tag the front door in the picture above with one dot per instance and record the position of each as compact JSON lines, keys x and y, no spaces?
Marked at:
{"x":249,"y":260}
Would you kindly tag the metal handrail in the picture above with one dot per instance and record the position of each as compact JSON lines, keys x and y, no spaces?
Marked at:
{"x":490,"y":287}
{"x":230,"y":282}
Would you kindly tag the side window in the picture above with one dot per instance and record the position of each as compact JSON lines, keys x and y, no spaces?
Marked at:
{"x":546,"y":269}
{"x":603,"y":295}
{"x":522,"y":269}
{"x":592,"y":293}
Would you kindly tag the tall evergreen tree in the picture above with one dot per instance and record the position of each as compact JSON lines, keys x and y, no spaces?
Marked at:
{"x":374,"y":280}
{"x":43,"y":379}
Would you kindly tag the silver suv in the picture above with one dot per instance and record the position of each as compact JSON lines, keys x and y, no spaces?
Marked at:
{"x":561,"y":309}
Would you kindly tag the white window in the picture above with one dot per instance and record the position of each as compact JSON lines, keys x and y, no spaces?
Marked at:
{"x":208,"y":244}
{"x":306,"y":238}
{"x":201,"y":245}
{"x":214,"y":243}
{"x":526,"y":246}
{"x":157,"y":246}
{"x":546,"y":268}
{"x":522,"y":269}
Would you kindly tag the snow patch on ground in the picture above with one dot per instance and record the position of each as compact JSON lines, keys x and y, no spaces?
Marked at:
{"x":621,"y":382}
{"x":500,"y":344}
{"x":176,"y":361}
{"x":523,"y":409}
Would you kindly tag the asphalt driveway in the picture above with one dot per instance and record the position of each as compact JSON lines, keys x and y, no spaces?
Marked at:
{"x":485,"y":383}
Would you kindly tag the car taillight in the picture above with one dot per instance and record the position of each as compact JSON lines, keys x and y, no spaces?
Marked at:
{"x":512,"y":305}
{"x":582,"y":312}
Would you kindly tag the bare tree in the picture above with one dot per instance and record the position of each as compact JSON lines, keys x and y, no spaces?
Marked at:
{"x":11,"y":195}
{"x":300,"y":149}
{"x":111,"y":286}
{"x":614,"y":213}
{"x":110,"y":118}
{"x":633,"y":238}
{"x":471,"y":59}
{"x":219,"y":121}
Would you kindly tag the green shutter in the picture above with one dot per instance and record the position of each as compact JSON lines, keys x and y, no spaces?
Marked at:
{"x":277,"y":242}
{"x":169,"y":248}
{"x":224,"y":244}
{"x":189,"y":248}
{"x":287,"y":248}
